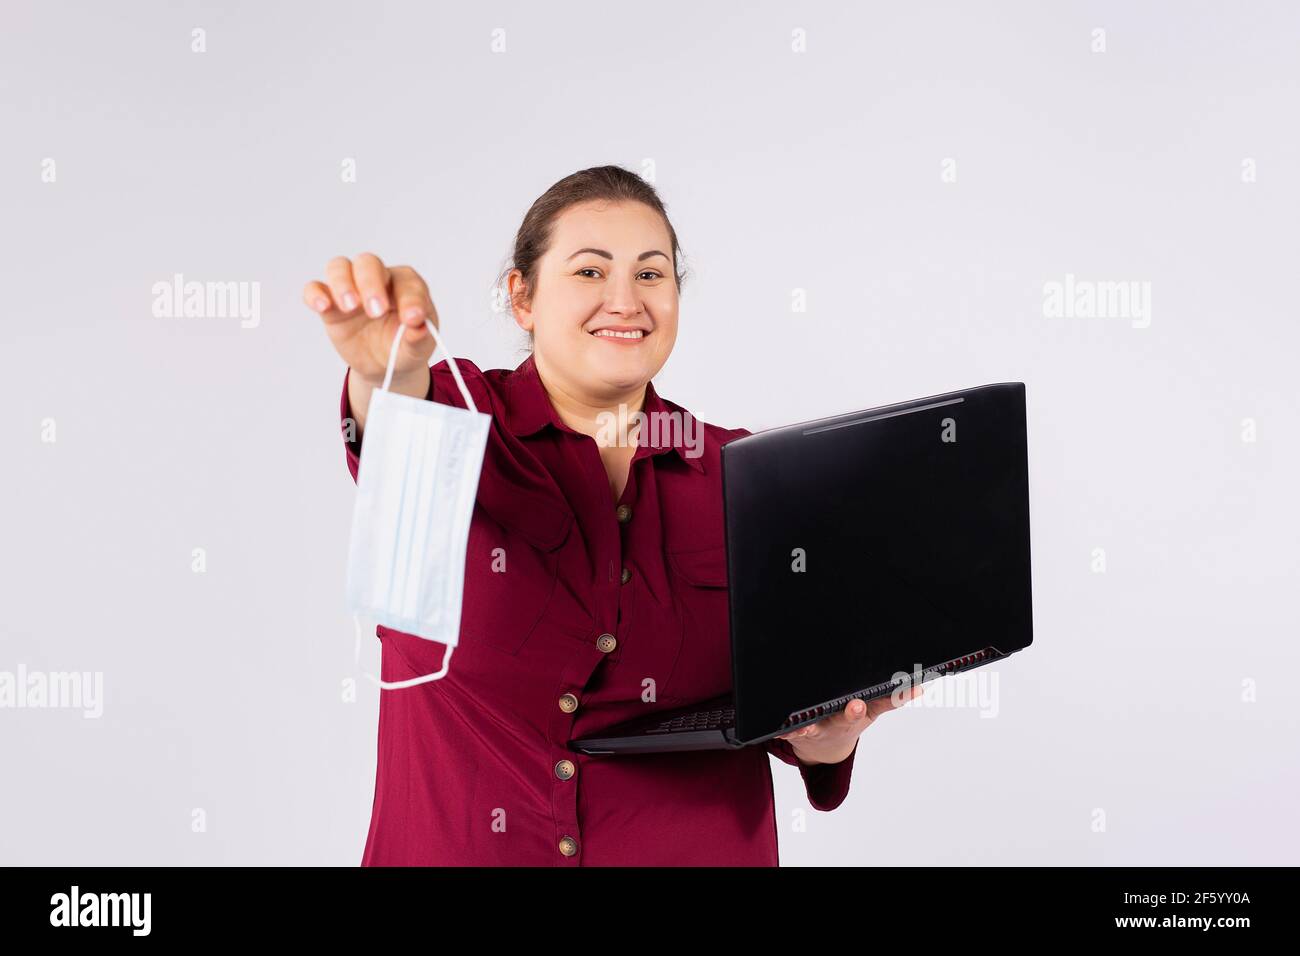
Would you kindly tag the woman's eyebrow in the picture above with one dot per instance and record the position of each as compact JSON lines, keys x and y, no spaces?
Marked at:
{"x":602,"y":252}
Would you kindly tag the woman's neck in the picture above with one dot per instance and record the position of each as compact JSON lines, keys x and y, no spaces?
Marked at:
{"x":598,"y":417}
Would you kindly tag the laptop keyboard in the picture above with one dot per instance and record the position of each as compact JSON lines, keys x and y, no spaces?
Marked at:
{"x":719,"y":719}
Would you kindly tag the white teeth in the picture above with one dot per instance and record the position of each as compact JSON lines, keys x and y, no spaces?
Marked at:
{"x":634,"y":334}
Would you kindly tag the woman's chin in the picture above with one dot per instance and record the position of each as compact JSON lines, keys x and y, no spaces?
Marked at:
{"x":623,"y":374}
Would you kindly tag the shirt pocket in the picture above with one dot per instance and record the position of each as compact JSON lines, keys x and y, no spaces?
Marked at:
{"x":511,"y":567}
{"x":702,"y":669}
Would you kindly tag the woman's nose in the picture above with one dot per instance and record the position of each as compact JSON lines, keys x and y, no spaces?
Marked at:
{"x":621,"y":297}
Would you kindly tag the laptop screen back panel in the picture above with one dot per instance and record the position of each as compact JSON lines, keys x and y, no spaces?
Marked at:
{"x":874,"y":543}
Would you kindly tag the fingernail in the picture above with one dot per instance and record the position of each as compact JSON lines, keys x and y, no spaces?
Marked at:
{"x":376,"y":310}
{"x":349,"y":301}
{"x":414,"y":314}
{"x":321,"y":305}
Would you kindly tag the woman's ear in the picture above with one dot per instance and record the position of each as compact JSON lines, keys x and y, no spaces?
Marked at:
{"x":517,"y":291}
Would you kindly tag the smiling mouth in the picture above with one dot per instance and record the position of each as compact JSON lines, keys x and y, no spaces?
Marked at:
{"x":631,"y":336}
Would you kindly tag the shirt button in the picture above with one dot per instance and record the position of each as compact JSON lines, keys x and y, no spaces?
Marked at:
{"x":606,"y":643}
{"x":565,"y":769}
{"x":568,"y":846}
{"x":624,"y":513}
{"x":568,"y":703}
{"x":627,"y":575}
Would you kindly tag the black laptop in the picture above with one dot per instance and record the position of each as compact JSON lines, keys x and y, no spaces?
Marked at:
{"x":863,"y":547}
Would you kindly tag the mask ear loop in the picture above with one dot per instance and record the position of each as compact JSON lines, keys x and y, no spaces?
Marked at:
{"x":439,"y":347}
{"x":469,"y":403}
{"x":398,"y":684}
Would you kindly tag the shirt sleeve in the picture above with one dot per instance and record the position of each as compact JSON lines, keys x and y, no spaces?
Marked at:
{"x":827,"y":784}
{"x":347,"y":427}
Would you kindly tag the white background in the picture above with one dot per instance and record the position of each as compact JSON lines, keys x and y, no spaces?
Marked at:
{"x":782,"y":171}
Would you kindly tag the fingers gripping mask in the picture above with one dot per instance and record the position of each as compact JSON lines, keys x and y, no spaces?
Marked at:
{"x":416,"y":486}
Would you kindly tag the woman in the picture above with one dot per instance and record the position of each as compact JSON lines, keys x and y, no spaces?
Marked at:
{"x":594,"y":582}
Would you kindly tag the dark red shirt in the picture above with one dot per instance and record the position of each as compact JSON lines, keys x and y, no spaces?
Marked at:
{"x":572,"y":601}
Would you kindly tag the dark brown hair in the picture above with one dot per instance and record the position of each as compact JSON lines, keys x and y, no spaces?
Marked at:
{"x":599,"y":184}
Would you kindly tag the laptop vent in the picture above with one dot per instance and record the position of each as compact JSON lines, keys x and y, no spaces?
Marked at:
{"x":881,"y":690}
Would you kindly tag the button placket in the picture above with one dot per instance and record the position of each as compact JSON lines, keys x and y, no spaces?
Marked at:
{"x":620,"y":578}
{"x":565,"y":763}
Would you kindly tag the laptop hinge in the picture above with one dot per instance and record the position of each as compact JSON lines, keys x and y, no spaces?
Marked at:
{"x":967,"y":661}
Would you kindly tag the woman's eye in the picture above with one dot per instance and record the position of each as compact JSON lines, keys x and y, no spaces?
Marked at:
{"x":648,"y":272}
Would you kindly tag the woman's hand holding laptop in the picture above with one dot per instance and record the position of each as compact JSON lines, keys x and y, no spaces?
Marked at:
{"x":833,"y":738}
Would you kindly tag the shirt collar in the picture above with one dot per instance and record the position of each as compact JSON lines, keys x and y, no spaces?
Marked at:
{"x":529,"y":410}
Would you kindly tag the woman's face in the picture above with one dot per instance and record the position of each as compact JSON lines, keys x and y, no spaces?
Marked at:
{"x":610,"y":267}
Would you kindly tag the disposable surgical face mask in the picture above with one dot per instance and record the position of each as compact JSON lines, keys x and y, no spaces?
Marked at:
{"x":416,"y":487}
